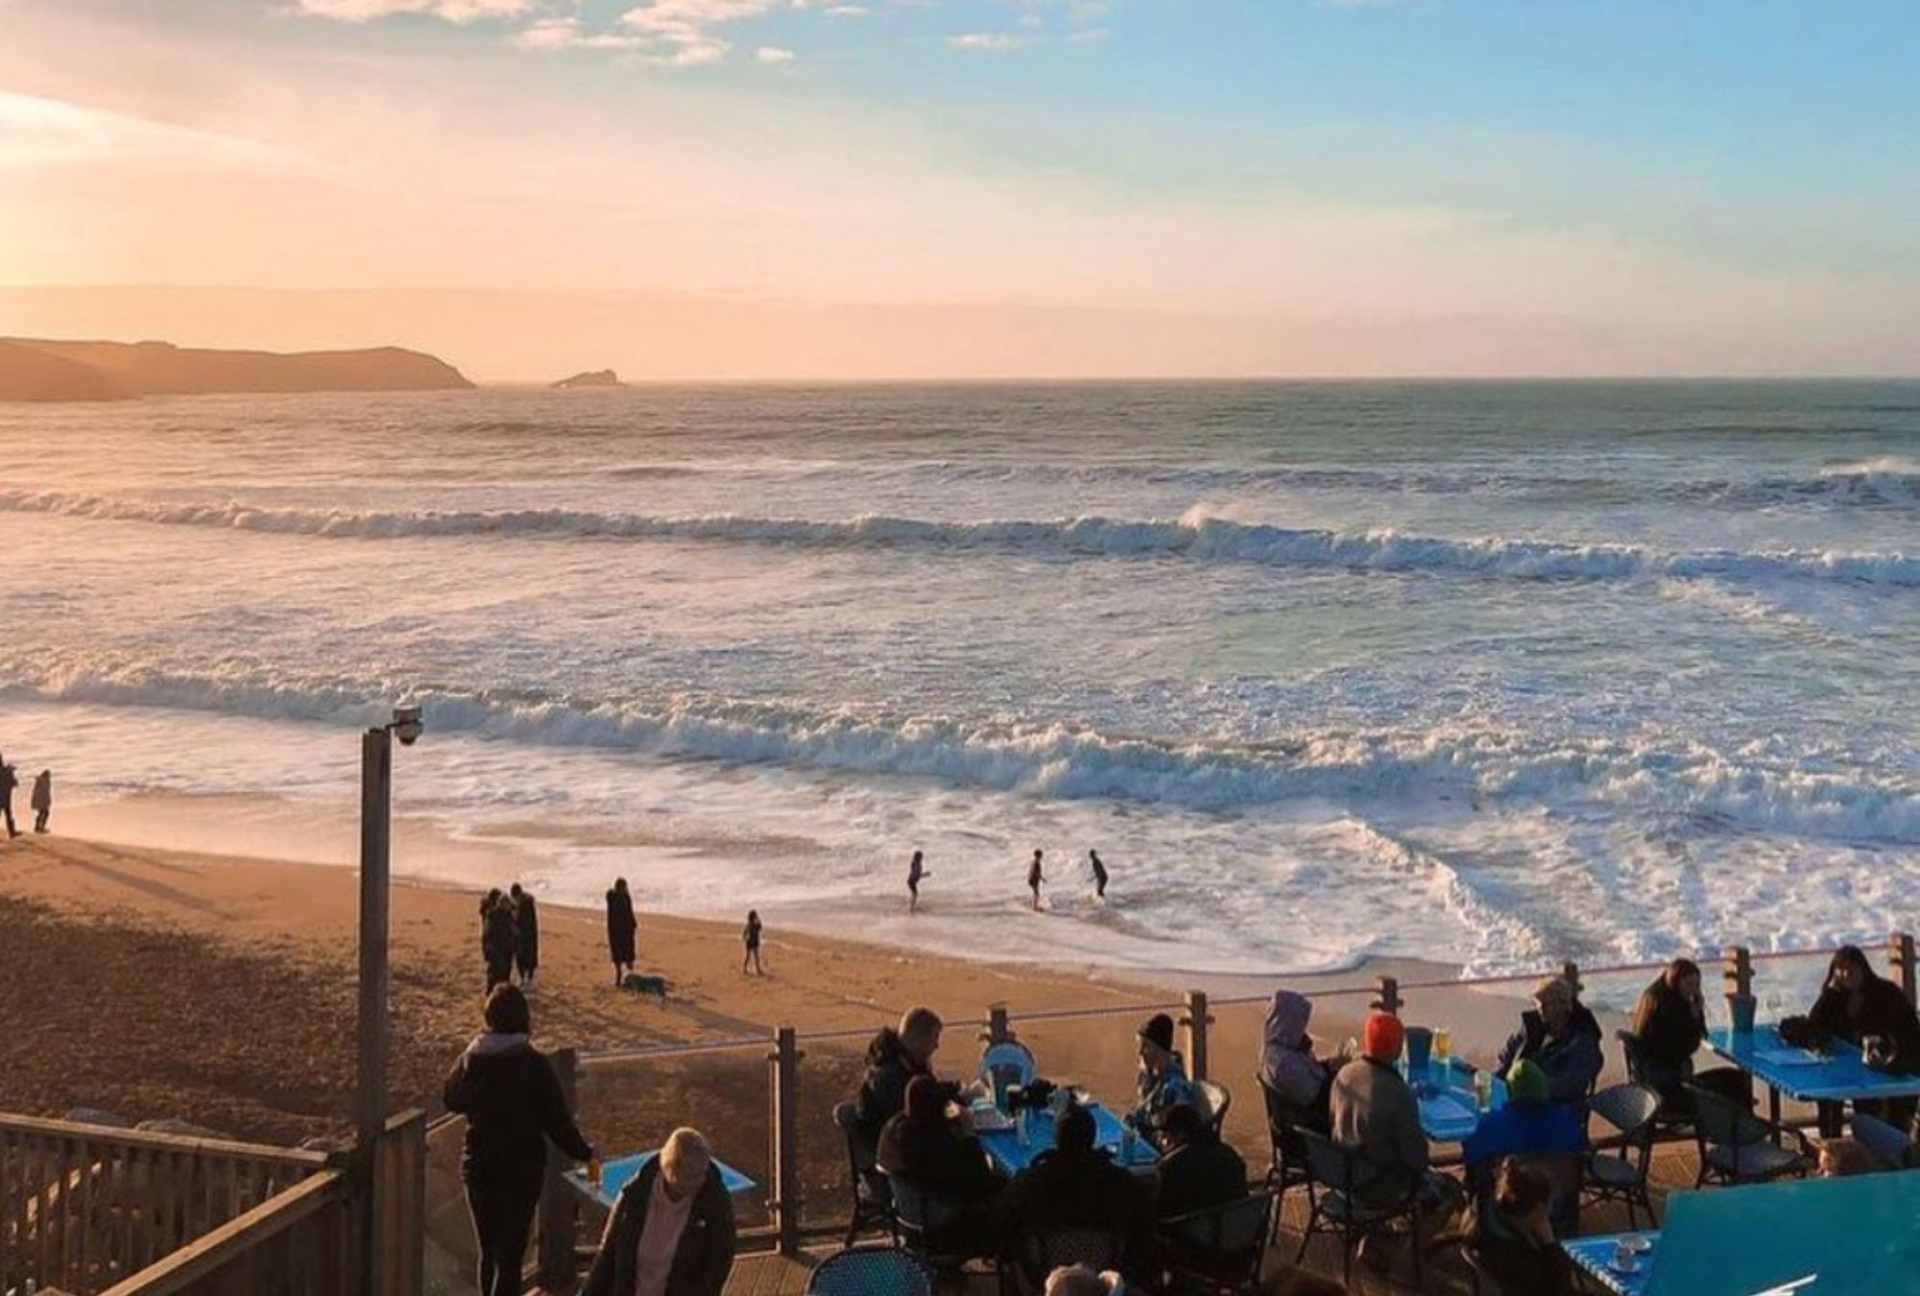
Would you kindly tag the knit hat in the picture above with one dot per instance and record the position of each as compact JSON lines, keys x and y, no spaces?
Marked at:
{"x":1159,"y":1030}
{"x":924,"y":1099}
{"x":1526,"y":1082}
{"x":1383,"y":1037}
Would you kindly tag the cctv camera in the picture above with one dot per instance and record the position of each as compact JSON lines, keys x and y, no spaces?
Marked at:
{"x":406,"y":724}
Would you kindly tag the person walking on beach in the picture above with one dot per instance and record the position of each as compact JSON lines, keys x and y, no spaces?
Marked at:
{"x":41,"y":799}
{"x":752,"y":938}
{"x":622,"y":927}
{"x":8,"y":782}
{"x":498,"y":941}
{"x":914,"y":873}
{"x":526,"y":935}
{"x":1099,"y":874}
{"x":1034,"y":878}
{"x":513,"y":1103}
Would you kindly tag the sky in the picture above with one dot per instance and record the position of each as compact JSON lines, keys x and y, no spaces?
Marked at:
{"x":974,"y":188}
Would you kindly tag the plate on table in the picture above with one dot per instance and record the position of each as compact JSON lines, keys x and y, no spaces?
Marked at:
{"x":989,"y":1120}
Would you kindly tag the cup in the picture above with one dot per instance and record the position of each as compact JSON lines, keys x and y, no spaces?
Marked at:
{"x":1443,"y":1047}
{"x":1741,"y":1007}
{"x":1482,"y":1089}
{"x":1625,"y":1258}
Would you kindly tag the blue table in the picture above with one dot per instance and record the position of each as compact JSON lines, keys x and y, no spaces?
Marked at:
{"x":1594,"y":1255}
{"x":616,"y":1174}
{"x":1008,"y":1155}
{"x":1450,"y":1111}
{"x":1838,"y":1077}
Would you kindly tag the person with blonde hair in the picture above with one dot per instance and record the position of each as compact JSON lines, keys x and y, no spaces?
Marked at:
{"x":671,"y":1232}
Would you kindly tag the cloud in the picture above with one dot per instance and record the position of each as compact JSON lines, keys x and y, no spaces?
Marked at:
{"x":774,"y":54}
{"x":454,"y":11}
{"x":682,"y":33}
{"x":549,"y":34}
{"x":989,"y":42}
{"x":845,"y":11}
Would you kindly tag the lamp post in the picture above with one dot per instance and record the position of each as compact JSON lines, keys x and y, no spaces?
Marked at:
{"x":376,"y":820}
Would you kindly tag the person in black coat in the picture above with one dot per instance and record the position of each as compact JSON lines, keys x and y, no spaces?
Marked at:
{"x":1671,"y":1024}
{"x":622,"y":926}
{"x":526,"y":935}
{"x":1562,"y":1038}
{"x":1075,"y":1185}
{"x":939,"y":1155}
{"x":512,"y":1100}
{"x":894,"y":1059}
{"x":671,"y":1232}
{"x":498,"y":939}
{"x":1855,"y":1003}
{"x":1197,"y":1170}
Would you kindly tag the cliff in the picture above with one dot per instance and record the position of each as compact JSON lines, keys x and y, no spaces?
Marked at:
{"x":95,"y":370}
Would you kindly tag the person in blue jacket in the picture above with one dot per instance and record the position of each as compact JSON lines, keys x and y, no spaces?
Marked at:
{"x":1561,"y":1037}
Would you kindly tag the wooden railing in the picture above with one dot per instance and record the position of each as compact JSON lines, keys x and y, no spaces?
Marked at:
{"x":83,"y":1207}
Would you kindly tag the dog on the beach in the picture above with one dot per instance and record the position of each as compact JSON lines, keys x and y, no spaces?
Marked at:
{"x":644,"y":983}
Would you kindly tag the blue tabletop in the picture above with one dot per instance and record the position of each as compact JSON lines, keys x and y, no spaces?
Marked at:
{"x":1595,"y":1256}
{"x":1008,"y":1154}
{"x":1838,"y":1077}
{"x":614,"y":1175}
{"x":1448,"y":1109}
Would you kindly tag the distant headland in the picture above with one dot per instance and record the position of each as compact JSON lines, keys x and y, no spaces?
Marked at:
{"x":592,"y":378}
{"x":35,"y":369}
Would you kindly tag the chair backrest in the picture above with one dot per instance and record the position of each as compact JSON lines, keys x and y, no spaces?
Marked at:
{"x":1630,"y":1046}
{"x":1888,"y":1145}
{"x":1629,"y":1108}
{"x":923,"y":1213}
{"x":1037,"y":1252}
{"x":859,"y":1155}
{"x":1228,"y":1241}
{"x":1218,"y":1098}
{"x":1717,"y":1119}
{"x":1007,"y":1063}
{"x":1285,"y":1120}
{"x":871,"y":1271}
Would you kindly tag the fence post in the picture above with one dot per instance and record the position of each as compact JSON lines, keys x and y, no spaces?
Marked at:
{"x":1738,"y":974}
{"x":557,"y":1219}
{"x":1196,"y":1022}
{"x":999,"y":1031}
{"x":1389,"y":1000}
{"x":785,"y":1128}
{"x":400,"y":1204}
{"x":1900,"y":955}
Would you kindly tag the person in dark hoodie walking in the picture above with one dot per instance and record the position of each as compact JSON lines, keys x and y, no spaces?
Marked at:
{"x":671,"y":1232}
{"x":526,"y":935}
{"x":1560,"y":1037}
{"x":498,"y":939}
{"x":512,"y":1100}
{"x":41,"y":800}
{"x":894,"y":1059}
{"x":622,"y":927}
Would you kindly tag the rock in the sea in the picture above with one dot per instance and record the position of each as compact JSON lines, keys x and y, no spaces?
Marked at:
{"x":593,"y":378}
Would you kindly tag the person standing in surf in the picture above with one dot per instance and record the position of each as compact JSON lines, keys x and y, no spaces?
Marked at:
{"x":914,"y":874}
{"x":1099,"y":874}
{"x":1034,"y":878}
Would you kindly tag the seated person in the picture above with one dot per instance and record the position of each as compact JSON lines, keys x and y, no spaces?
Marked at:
{"x":940,"y":1156}
{"x":1671,"y":1024}
{"x":1197,"y":1170}
{"x":1560,"y":1037}
{"x":1288,"y":1067}
{"x":1163,"y":1079}
{"x":671,"y":1231}
{"x":1856,"y":1003}
{"x":1074,"y":1184}
{"x":894,"y":1059}
{"x":1377,"y":1117}
{"x":1514,"y":1239}
{"x":1529,"y":1125}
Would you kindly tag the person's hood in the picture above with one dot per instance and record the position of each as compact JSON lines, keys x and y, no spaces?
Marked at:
{"x":1287,"y":1019}
{"x":887,"y":1046}
{"x":494,"y":1043}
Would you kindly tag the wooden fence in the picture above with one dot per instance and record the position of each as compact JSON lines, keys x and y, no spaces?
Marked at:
{"x":89,"y":1209}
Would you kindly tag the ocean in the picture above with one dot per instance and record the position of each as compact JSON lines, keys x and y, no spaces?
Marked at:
{"x":1484,"y":673}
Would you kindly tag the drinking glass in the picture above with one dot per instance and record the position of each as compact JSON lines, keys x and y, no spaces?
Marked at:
{"x":1482,"y":1089}
{"x":1442,"y":1047}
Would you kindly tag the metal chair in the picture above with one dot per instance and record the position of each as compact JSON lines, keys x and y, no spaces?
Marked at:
{"x":1033,"y":1253}
{"x":1285,"y":1120}
{"x":1220,"y":1250}
{"x":1738,"y":1147}
{"x":1004,"y":1064}
{"x":1334,"y":1207}
{"x":939,"y":1229}
{"x":1219,"y":1099}
{"x":872,"y":1195}
{"x":1888,"y":1145}
{"x":1672,"y":1120}
{"x":872,"y":1271}
{"x":1616,"y":1169}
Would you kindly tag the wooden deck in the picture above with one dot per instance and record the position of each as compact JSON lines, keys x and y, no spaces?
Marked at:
{"x":1674,"y":1164}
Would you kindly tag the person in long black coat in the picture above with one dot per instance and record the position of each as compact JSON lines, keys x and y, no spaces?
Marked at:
{"x":671,"y":1231}
{"x":513,"y":1103}
{"x":1671,"y":1024}
{"x":526,"y":935}
{"x":497,"y":939}
{"x":622,"y":927}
